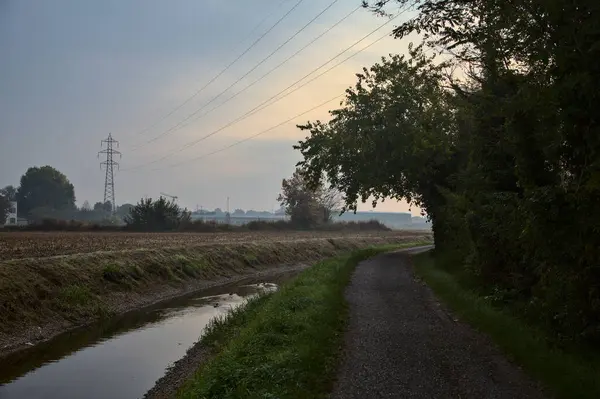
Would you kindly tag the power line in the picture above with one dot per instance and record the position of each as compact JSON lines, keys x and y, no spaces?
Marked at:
{"x":276,"y":67}
{"x":177,"y":108}
{"x":269,"y":15}
{"x":182,"y":122}
{"x":254,"y":135}
{"x":258,"y":107}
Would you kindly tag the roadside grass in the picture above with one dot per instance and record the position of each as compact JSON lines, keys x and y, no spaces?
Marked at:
{"x":565,"y":374}
{"x":285,"y":344}
{"x":221,"y":329}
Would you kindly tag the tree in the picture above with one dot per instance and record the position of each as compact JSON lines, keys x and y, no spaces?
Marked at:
{"x":98,"y":207}
{"x":159,"y":215}
{"x":9,"y":192}
{"x":331,"y":202}
{"x":45,"y":187}
{"x":4,"y":208}
{"x":504,"y":157}
{"x":398,"y":114}
{"x":86,"y":206}
{"x":124,"y":210}
{"x":307,"y":205}
{"x":107,"y":207}
{"x":238,"y":212}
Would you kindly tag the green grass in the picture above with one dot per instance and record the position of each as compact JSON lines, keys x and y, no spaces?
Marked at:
{"x":76,"y":295}
{"x":113,"y":273}
{"x":565,"y":374}
{"x":285,"y":344}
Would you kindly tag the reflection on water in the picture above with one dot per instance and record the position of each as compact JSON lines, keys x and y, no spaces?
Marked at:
{"x":122,"y":358}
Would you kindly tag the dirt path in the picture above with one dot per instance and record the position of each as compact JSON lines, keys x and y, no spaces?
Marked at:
{"x":401,"y":343}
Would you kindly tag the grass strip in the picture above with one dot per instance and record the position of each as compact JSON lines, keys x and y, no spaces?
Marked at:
{"x":565,"y":374}
{"x":284,"y":346}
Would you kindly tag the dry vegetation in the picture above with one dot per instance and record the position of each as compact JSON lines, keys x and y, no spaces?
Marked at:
{"x":18,"y":245}
{"x":100,"y":274}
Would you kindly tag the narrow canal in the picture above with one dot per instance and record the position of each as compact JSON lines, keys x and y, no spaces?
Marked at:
{"x":124,"y":357}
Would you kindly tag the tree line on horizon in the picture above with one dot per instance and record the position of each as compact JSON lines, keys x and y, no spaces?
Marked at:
{"x":46,"y":198}
{"x":46,"y":193}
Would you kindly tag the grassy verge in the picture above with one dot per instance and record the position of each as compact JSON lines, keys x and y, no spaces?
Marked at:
{"x":565,"y":374}
{"x":64,"y":291}
{"x":283,"y":346}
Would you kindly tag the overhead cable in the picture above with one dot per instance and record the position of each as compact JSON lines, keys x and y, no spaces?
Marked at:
{"x":182,"y":123}
{"x":200,"y":90}
{"x":265,"y":104}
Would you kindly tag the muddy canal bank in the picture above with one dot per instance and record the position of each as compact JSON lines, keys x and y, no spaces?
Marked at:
{"x":123,"y":357}
{"x":43,"y":297}
{"x":127,"y":307}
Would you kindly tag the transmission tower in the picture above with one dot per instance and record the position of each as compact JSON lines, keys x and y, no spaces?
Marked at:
{"x":109,"y":165}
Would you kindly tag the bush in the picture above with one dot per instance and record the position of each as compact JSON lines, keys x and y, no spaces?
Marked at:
{"x":159,"y":215}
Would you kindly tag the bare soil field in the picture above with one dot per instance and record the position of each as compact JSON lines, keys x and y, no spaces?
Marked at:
{"x":20,"y":245}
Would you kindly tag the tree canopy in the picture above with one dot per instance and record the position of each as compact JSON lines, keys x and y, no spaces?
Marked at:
{"x":397,"y":120}
{"x":45,"y":187}
{"x":4,"y":208}
{"x":499,"y":143}
{"x":159,"y":215}
{"x":9,"y":192}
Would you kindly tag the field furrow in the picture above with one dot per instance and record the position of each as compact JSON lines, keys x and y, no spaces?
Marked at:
{"x":19,"y":245}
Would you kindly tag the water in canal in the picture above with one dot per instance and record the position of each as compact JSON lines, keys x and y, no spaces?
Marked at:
{"x":122,"y":358}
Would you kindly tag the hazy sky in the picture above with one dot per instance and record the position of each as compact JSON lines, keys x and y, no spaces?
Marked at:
{"x":71,"y":71}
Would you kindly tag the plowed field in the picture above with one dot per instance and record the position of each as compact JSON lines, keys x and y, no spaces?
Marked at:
{"x":36,"y":245}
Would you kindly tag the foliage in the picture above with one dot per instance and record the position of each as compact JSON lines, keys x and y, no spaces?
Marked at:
{"x":398,"y":112}
{"x":499,"y":144}
{"x":86,"y":206}
{"x":123,"y":210}
{"x":307,"y":205}
{"x":45,"y":187}
{"x":159,"y":215}
{"x":9,"y":192}
{"x":115,"y":224}
{"x":4,"y":208}
{"x":105,"y":207}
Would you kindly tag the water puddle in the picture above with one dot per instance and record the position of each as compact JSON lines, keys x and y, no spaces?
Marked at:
{"x":122,"y":358}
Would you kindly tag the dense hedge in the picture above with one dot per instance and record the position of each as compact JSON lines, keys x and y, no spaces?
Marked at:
{"x":499,"y":144}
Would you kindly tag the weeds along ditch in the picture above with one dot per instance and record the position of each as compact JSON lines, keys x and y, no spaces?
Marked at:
{"x":41,"y":297}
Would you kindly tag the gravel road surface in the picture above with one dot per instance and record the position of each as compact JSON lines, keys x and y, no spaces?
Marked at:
{"x":401,"y":343}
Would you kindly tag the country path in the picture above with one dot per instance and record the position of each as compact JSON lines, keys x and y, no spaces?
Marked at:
{"x":401,"y":343}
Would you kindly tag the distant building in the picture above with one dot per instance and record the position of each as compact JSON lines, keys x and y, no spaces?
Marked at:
{"x":393,"y":220}
{"x":12,"y":219}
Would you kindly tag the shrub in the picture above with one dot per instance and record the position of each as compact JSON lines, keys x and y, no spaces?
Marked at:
{"x":159,"y":215}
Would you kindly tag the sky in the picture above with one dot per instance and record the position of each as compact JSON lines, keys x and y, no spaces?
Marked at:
{"x":73,"y":71}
